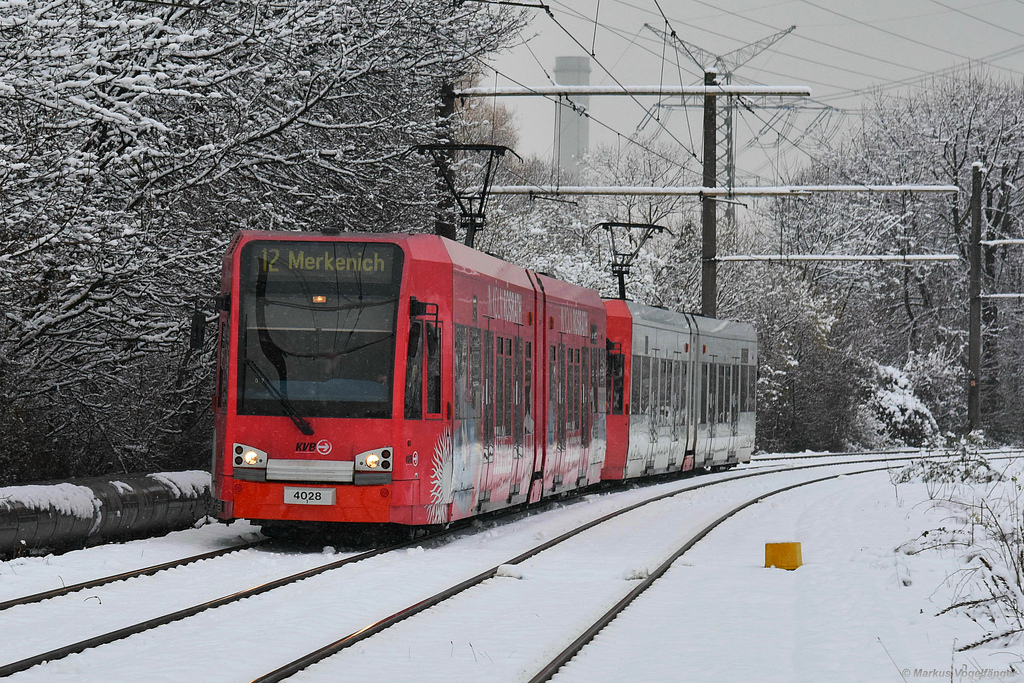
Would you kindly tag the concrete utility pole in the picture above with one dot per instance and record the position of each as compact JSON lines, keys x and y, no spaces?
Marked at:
{"x":709,"y":207}
{"x":974,"y":316}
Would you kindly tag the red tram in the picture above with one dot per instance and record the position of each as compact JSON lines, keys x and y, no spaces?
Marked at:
{"x":409,"y":379}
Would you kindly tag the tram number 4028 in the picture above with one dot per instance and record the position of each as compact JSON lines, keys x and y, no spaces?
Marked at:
{"x":308,"y":496}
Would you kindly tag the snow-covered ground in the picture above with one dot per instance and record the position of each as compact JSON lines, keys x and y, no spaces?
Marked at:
{"x":858,"y":610}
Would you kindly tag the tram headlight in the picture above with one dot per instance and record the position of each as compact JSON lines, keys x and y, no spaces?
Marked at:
{"x":374,"y":460}
{"x":248,"y":456}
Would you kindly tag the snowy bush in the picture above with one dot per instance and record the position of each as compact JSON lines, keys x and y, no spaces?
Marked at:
{"x":989,"y":584}
{"x":957,"y":461}
{"x":904,"y":417}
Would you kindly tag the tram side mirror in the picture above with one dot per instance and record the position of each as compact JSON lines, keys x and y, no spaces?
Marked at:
{"x":414,"y":340}
{"x":417,"y":308}
{"x":197,"y":334}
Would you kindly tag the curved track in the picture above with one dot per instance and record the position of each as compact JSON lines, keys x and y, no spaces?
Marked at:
{"x":380,"y":625}
{"x":377,"y":627}
{"x":568,"y":653}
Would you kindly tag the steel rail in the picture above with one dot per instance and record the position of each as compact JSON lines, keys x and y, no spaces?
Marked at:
{"x":124,"y":576}
{"x":905,"y":453}
{"x":376,"y":627}
{"x":572,"y":650}
{"x":120,"y":634}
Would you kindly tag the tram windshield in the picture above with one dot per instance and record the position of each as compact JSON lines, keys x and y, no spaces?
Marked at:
{"x":318,"y":325}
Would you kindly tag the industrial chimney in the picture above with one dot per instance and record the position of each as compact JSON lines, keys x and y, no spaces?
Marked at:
{"x":573,"y":129}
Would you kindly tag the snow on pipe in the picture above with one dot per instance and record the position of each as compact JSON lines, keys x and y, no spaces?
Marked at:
{"x":95,"y":510}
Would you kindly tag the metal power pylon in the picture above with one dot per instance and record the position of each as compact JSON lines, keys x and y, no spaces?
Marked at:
{"x":723,"y":66}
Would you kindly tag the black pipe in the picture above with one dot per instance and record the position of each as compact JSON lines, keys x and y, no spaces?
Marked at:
{"x":123,"y":506}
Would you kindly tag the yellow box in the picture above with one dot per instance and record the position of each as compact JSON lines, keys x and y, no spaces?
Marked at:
{"x":783,"y":555}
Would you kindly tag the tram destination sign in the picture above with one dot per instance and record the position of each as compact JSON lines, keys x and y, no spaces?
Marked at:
{"x":338,"y":261}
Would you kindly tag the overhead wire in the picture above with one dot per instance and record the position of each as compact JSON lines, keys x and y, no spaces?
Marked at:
{"x":572,"y":37}
{"x":590,"y":116}
{"x":978,"y":19}
{"x":803,"y":79}
{"x":897,"y":35}
{"x":917,"y":81}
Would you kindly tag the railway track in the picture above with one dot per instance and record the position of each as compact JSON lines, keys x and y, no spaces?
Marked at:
{"x":380,"y":625}
{"x":174,"y":564}
{"x":566,"y":655}
{"x":548,"y":670}
{"x":372,"y":629}
{"x":125,"y":576}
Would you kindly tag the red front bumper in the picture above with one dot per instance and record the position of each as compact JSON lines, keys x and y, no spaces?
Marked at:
{"x":265,"y":501}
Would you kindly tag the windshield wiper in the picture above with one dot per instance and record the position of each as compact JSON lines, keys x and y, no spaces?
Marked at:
{"x":289,"y":409}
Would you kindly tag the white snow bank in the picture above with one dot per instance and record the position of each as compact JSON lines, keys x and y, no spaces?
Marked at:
{"x":67,"y":499}
{"x":187,"y":484}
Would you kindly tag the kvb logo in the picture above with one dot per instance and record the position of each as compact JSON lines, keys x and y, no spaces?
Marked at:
{"x":323,"y":447}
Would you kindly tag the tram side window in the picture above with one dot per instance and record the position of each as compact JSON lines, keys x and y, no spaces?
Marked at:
{"x":596,"y":379}
{"x":528,"y":390}
{"x":677,"y":412}
{"x":704,"y":397}
{"x":563,"y":398}
{"x":634,"y":391}
{"x":575,"y":401}
{"x":222,"y":367}
{"x":461,"y":397}
{"x":499,"y":382}
{"x":590,"y":380}
{"x":616,"y":364}
{"x":475,"y":373}
{"x":517,"y":413}
{"x":752,"y":389}
{"x":586,"y":383}
{"x":744,"y":373}
{"x":723,"y":394}
{"x":433,"y":369}
{"x":553,"y":380}
{"x":735,"y":392}
{"x":414,"y":373}
{"x":509,"y":382}
{"x":666,"y":388}
{"x":727,"y":387}
{"x":683,"y":388}
{"x":645,"y":386}
{"x":488,"y":388}
{"x":600,"y":390}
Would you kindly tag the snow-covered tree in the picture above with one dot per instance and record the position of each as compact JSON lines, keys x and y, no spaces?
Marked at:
{"x":896,"y":314}
{"x":136,"y":137}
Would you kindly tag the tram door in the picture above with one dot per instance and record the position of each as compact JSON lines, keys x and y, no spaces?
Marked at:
{"x":423,"y":372}
{"x":428,"y":419}
{"x":557,"y":410}
{"x":504,"y":480}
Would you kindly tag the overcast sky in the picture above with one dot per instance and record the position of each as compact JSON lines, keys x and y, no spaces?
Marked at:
{"x":839,"y":49}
